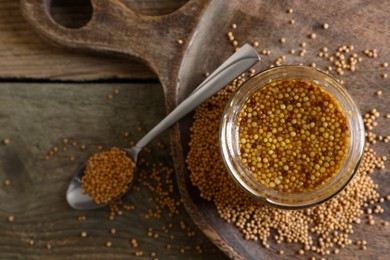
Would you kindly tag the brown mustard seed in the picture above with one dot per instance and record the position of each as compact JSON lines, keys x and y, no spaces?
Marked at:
{"x":6,"y":141}
{"x":82,"y":218}
{"x":180,"y":41}
{"x":108,"y":244}
{"x":7,"y":182}
{"x":288,"y":150}
{"x":313,"y":36}
{"x":107,"y":175}
{"x":290,"y":10}
{"x":378,"y":93}
{"x":83,"y":234}
{"x":109,"y":97}
{"x":31,"y":242}
{"x":113,"y":231}
{"x":10,"y":219}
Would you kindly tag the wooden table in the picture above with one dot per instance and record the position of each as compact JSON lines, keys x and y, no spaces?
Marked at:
{"x":47,"y":94}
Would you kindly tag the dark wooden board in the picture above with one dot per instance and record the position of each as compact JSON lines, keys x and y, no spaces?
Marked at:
{"x":202,"y":26}
{"x":365,"y":27}
{"x":35,"y":117}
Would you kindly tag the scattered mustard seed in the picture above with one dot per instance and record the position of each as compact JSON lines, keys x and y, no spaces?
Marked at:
{"x":378,"y":93}
{"x":325,"y":26}
{"x":10,"y":219}
{"x":109,"y":96}
{"x":290,"y":10}
{"x":180,"y":41}
{"x":313,"y":36}
{"x":108,"y":244}
{"x":6,"y":141}
{"x":7,"y":182}
{"x":83,"y":234}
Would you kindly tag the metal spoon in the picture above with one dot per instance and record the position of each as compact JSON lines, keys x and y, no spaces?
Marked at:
{"x":237,"y":64}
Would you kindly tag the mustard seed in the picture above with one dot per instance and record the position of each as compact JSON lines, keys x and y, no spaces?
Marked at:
{"x":113,"y":231}
{"x":83,"y":234}
{"x":31,"y":242}
{"x":378,"y":93}
{"x":331,"y":219}
{"x":134,"y":243}
{"x":290,"y":10}
{"x":6,"y":141}
{"x":385,"y":65}
{"x":325,"y":26}
{"x":82,"y":218}
{"x":108,"y":244}
{"x":49,"y":246}
{"x":313,"y":36}
{"x":10,"y":219}
{"x":7,"y":182}
{"x":180,"y":42}
{"x":273,"y":109}
{"x":109,"y":97}
{"x":234,"y":26}
{"x":292,"y":21}
{"x":107,"y":175}
{"x":116,"y":91}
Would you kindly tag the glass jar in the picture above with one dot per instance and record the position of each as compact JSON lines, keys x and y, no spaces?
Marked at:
{"x":229,"y":139}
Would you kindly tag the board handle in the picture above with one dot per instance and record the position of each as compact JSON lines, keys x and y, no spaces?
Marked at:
{"x":115,"y":28}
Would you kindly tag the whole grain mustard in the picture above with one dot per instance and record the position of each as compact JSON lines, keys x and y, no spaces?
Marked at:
{"x":293,"y":136}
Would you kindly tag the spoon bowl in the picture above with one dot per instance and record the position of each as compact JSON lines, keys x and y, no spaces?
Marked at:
{"x":233,"y":67}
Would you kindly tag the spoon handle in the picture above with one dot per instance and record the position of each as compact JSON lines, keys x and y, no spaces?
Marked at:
{"x":233,"y":67}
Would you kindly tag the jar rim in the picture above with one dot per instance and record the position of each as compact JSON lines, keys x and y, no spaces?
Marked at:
{"x":228,"y":135}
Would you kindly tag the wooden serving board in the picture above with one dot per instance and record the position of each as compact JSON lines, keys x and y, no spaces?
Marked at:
{"x":202,"y":26}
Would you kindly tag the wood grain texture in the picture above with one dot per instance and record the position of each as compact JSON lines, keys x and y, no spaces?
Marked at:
{"x":35,"y":117}
{"x":25,"y":55}
{"x":203,"y":28}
